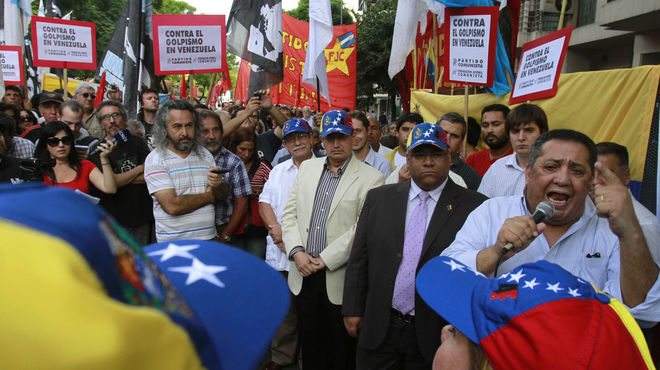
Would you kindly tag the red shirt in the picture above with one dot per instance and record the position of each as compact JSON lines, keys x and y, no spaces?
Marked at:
{"x":481,"y":161}
{"x":81,"y":182}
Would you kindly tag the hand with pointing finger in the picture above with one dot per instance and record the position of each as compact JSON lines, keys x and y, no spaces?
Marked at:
{"x":613,"y":201}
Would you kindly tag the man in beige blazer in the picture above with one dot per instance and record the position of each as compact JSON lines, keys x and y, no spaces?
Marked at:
{"x":318,"y":225}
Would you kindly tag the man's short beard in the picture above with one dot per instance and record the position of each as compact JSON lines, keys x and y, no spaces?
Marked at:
{"x":500,"y":143}
{"x":182,"y":147}
{"x":213,"y":147}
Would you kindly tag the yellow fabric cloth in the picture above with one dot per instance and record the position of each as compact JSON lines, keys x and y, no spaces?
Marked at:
{"x":614,"y":105}
{"x":55,"y":314}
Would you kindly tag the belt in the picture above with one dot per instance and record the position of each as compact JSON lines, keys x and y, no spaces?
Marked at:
{"x":405,"y":318}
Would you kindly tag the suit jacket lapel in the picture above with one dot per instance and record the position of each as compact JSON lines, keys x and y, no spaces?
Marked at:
{"x":311,"y":182}
{"x":399,"y":209}
{"x":441,"y":214}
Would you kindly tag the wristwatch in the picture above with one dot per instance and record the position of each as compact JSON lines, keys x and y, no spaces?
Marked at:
{"x":225,"y":238}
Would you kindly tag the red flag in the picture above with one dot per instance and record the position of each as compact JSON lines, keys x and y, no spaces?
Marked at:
{"x":172,"y":96}
{"x":183,"y":93}
{"x":100,"y":92}
{"x":226,"y":78}
{"x":194,"y":91}
{"x":242,"y":81}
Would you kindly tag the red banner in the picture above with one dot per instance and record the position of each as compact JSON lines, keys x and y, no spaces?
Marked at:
{"x":341,"y":60}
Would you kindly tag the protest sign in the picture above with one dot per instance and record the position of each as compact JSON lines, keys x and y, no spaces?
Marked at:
{"x":11,"y":58}
{"x":188,"y":44}
{"x":341,"y":67}
{"x":540,"y":67}
{"x":62,"y":43}
{"x":471,"y":35}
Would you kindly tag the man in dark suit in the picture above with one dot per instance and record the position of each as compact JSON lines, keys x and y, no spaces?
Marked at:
{"x":395,"y":328}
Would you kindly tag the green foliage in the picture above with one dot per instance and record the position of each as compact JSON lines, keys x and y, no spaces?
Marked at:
{"x":105,"y":15}
{"x":375,"y":29}
{"x":302,"y":12}
{"x":102,"y":13}
{"x":172,"y":7}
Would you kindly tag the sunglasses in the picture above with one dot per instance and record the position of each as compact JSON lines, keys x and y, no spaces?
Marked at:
{"x":113,"y":115}
{"x":24,"y":119}
{"x":87,"y":95}
{"x":55,"y":141}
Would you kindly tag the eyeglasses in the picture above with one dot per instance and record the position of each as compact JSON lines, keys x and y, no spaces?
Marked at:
{"x":55,"y":141}
{"x":108,"y":116}
{"x":87,"y":95}
{"x":297,"y":135}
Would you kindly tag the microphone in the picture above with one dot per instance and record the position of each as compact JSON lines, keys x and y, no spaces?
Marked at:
{"x":543,"y":211}
{"x":120,"y":138}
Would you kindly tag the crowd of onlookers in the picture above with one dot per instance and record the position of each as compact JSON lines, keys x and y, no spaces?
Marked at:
{"x":349,"y":205}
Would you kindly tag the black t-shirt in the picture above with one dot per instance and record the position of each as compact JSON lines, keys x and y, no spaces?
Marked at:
{"x":10,"y":170}
{"x":132,"y":205}
{"x":268,"y":144}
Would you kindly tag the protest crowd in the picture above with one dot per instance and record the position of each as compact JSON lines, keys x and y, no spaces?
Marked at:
{"x":401,"y":242}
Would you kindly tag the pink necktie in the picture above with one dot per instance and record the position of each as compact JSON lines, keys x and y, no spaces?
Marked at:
{"x":404,"y":286}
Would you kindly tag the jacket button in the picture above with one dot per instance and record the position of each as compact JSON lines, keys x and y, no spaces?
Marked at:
{"x":398,"y":255}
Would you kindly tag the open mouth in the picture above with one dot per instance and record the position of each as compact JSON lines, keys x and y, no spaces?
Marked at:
{"x":558,"y":199}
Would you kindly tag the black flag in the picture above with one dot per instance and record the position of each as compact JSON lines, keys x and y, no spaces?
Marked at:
{"x":128,"y":59}
{"x":254,"y":33}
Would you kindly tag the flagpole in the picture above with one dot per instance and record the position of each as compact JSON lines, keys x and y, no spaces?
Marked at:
{"x":435,"y":42}
{"x":318,"y":95}
{"x":65,"y":87}
{"x":467,"y":101}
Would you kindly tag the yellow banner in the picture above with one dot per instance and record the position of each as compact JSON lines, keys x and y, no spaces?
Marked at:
{"x":613,"y":105}
{"x":51,"y":82}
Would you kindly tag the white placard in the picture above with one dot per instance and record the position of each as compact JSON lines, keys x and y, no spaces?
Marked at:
{"x":189,"y":47}
{"x":11,"y":66}
{"x":64,"y":43}
{"x":538,"y":68}
{"x":469,"y":47}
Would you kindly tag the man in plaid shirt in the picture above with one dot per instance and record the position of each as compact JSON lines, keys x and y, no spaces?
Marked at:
{"x":230,"y":212}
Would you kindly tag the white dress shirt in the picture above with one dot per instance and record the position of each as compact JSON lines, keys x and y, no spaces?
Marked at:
{"x":276,"y":193}
{"x":588,"y":249}
{"x":505,"y":177}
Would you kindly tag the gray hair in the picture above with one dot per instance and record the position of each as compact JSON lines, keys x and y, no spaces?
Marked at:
{"x":83,"y":85}
{"x":453,"y":117}
{"x":114,"y":103}
{"x":159,"y":131}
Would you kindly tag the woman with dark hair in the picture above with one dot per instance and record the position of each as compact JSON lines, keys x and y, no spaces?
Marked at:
{"x":251,"y":234}
{"x":61,"y":166}
{"x":24,"y":120}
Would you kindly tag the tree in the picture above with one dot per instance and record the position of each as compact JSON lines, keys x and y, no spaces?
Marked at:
{"x":172,"y":7}
{"x":375,"y":29}
{"x":339,"y":17}
{"x":104,"y":14}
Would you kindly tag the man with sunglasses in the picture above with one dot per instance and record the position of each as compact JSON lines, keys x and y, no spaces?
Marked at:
{"x":131,"y":206}
{"x":85,"y":94}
